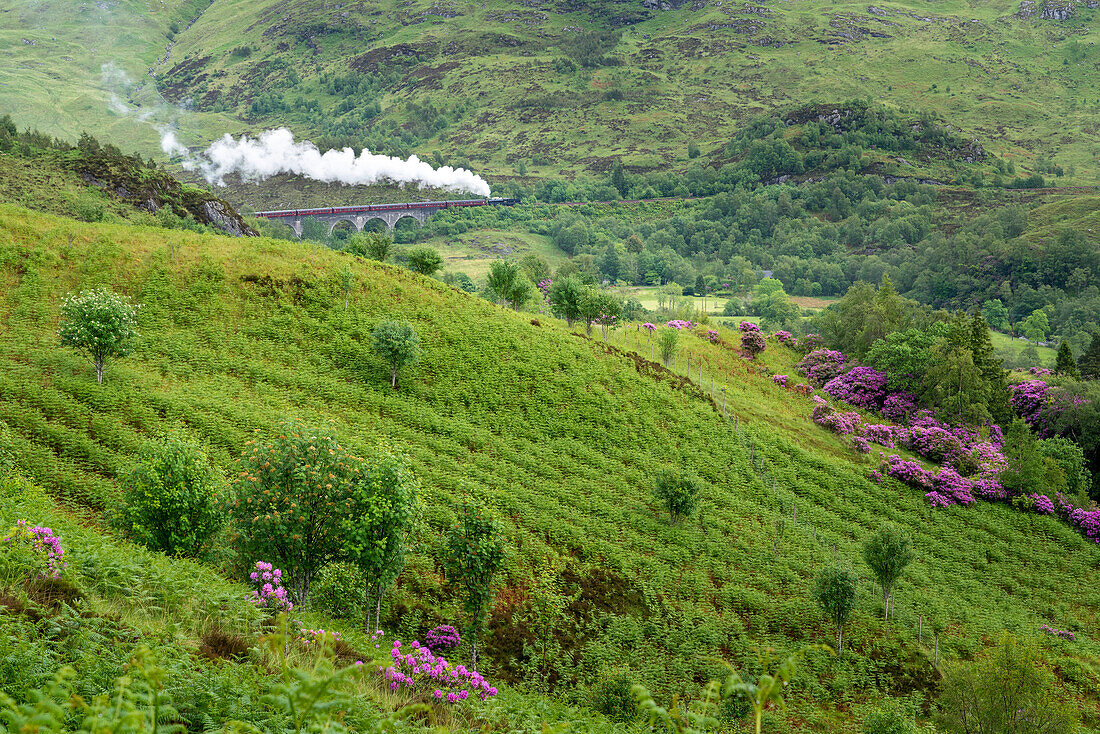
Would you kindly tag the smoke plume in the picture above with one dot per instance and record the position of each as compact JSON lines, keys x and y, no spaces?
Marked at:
{"x":275,"y":152}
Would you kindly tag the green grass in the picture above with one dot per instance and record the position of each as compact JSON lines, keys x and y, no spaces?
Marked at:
{"x":555,"y":433}
{"x":1007,"y":346}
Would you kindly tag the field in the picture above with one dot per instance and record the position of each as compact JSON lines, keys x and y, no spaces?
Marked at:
{"x":560,"y":435}
{"x":1008,"y":346}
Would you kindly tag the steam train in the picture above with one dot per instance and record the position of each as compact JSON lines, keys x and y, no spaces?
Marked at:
{"x":368,"y":208}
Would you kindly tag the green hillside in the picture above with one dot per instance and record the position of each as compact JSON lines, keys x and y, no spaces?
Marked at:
{"x":526,"y":91}
{"x":561,"y":436}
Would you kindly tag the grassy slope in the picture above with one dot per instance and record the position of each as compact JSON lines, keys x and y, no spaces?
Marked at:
{"x":559,"y":437}
{"x":1025,"y":87}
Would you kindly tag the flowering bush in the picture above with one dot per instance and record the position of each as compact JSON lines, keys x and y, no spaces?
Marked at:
{"x":422,"y":670}
{"x":711,"y":336}
{"x":808,"y":343}
{"x":269,"y":592}
{"x":879,"y":433}
{"x":861,"y":445}
{"x":822,"y":365}
{"x":836,"y":421}
{"x":649,"y":327}
{"x":780,"y":380}
{"x":680,"y":324}
{"x":1039,"y":371}
{"x":544,"y":287}
{"x":783,"y":336}
{"x":1028,"y":398}
{"x":752,"y":342}
{"x":803,"y":389}
{"x":898,"y":406}
{"x":861,"y":386}
{"x":748,"y":327}
{"x":1042,"y":504}
{"x":1064,"y":634}
{"x":42,"y":551}
{"x":442,"y":638}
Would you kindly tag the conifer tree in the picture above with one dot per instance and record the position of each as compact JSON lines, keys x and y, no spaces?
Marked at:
{"x":1065,"y":364}
{"x":1089,"y":364}
{"x":995,"y":376}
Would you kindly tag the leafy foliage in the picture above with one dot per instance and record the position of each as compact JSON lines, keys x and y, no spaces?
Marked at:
{"x":887,"y":553}
{"x":473,"y":553}
{"x":171,"y":503}
{"x":397,"y":343}
{"x":99,"y":323}
{"x":679,"y":491}
{"x":835,"y":590}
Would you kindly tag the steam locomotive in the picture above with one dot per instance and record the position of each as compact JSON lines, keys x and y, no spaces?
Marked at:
{"x":387,"y":207}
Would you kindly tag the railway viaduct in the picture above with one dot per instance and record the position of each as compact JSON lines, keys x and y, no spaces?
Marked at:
{"x":356,"y":216}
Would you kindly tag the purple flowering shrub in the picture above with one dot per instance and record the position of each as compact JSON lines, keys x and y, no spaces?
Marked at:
{"x":747,"y":326}
{"x":1028,"y":398}
{"x":1041,"y":504}
{"x":879,"y":433}
{"x":898,"y":406}
{"x":825,"y":415}
{"x":311,"y":638}
{"x":808,"y":343}
{"x":783,"y":337}
{"x":861,"y":386}
{"x":442,"y":638}
{"x":861,"y":445}
{"x":41,"y":549}
{"x":711,"y":336}
{"x":680,"y":324}
{"x":422,"y":671}
{"x":269,"y":592}
{"x":1039,"y":371}
{"x":780,"y":380}
{"x":752,"y":342}
{"x":649,"y":327}
{"x":1064,"y":634}
{"x":822,"y":365}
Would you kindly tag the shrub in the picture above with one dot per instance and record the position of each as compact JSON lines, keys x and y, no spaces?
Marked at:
{"x":339,"y":591}
{"x":889,"y":718}
{"x":1007,"y":691}
{"x":678,"y":491}
{"x":667,"y":342}
{"x":99,"y":323}
{"x":420,"y":671}
{"x":269,"y":592}
{"x":374,"y":245}
{"x":822,"y":365}
{"x":612,"y":697}
{"x":442,"y":638}
{"x":473,"y":554}
{"x":303,"y":501}
{"x":171,"y":499}
{"x":397,"y":344}
{"x":32,"y":551}
{"x":753,"y":343}
{"x":425,"y":260}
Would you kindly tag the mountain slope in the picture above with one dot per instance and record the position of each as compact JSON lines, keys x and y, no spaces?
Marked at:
{"x":560,"y":435}
{"x":559,"y":88}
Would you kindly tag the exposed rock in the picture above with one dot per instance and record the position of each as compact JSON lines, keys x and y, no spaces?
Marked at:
{"x":225,"y":219}
{"x":873,"y":10}
{"x":1058,"y":9}
{"x":1027,"y":9}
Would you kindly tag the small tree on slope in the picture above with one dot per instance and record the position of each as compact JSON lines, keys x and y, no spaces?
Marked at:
{"x":835,"y":591}
{"x":99,"y":323}
{"x":888,"y":552}
{"x":473,"y":553}
{"x":397,"y":344}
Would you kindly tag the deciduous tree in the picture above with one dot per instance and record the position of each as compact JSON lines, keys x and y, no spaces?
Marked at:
{"x":397,"y":344}
{"x":99,"y":323}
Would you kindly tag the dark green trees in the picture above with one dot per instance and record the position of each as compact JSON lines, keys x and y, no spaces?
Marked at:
{"x":397,"y":344}
{"x":1065,"y":364}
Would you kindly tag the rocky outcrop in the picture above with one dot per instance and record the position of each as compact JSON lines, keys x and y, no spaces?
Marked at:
{"x":1051,"y":9}
{"x":221,"y":215}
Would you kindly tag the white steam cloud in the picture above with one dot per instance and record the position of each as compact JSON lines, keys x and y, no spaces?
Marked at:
{"x":275,"y":152}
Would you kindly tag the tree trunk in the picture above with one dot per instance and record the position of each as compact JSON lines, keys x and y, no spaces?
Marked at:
{"x":886,"y":602}
{"x":839,"y":638}
{"x":345,"y":303}
{"x":394,"y":381}
{"x":99,"y":370}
